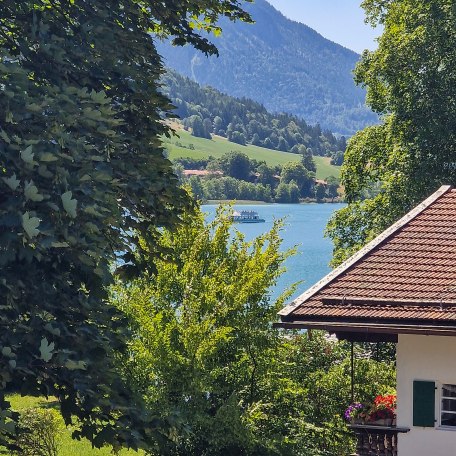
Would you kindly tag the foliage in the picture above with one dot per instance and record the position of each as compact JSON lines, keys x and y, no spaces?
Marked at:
{"x":333,"y":187}
{"x":203,"y":346}
{"x":39,"y":432}
{"x":82,"y":175}
{"x":320,"y":192}
{"x":302,"y":177}
{"x":322,"y":368}
{"x":228,"y":188}
{"x":235,"y":164}
{"x":284,"y":65}
{"x":187,"y":146}
{"x":411,"y":81}
{"x":242,"y":121}
{"x":202,"y":333}
{"x":67,"y":445}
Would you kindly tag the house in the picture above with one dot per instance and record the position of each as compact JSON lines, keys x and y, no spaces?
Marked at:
{"x":201,"y":173}
{"x":401,"y":287}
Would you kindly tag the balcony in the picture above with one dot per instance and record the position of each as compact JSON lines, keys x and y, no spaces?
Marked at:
{"x":376,"y":440}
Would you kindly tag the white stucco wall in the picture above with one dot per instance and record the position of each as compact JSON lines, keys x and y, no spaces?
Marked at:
{"x":429,"y":358}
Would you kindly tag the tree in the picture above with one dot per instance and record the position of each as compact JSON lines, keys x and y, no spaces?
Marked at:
{"x":198,"y":128}
{"x":236,"y":164}
{"x":333,"y":186}
{"x":266,"y":175}
{"x":295,"y":171}
{"x":320,"y":192}
{"x":337,"y":158}
{"x":83,"y":174}
{"x":282,"y":194}
{"x":307,"y":158}
{"x":294,"y":192}
{"x":203,"y":339}
{"x":410,"y":79}
{"x":237,"y":137}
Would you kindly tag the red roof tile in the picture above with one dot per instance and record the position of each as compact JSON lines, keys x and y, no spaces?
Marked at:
{"x":407,"y":274}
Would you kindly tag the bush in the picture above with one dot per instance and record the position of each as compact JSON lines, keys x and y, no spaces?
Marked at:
{"x":39,"y":432}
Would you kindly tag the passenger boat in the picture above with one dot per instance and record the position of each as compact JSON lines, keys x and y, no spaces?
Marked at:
{"x":246,"y":217}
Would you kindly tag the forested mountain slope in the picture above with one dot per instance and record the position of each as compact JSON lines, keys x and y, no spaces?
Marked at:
{"x":284,"y":65}
{"x":206,"y":111}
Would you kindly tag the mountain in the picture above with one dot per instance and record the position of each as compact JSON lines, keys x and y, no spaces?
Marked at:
{"x":207,"y":111}
{"x":282,"y":64}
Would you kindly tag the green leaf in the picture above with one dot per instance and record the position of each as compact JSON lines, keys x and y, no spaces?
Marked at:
{"x":27,"y":155}
{"x":30,"y":225}
{"x":12,"y":182}
{"x":48,"y":157}
{"x":75,"y":365}
{"x":46,"y":349}
{"x":31,"y":192}
{"x":6,"y":351}
{"x":52,"y":330}
{"x":69,"y":204}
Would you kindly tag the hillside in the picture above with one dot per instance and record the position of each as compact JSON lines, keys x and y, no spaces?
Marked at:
{"x":187,"y":145}
{"x":282,"y":64}
{"x":207,"y":111}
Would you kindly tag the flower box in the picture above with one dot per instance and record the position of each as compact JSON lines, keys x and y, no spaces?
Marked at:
{"x":381,"y":412}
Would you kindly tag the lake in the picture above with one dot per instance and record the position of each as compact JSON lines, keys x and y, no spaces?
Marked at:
{"x":304,"y":227}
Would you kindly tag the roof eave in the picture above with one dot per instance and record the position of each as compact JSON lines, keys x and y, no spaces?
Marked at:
{"x":286,"y":311}
{"x":370,"y":328}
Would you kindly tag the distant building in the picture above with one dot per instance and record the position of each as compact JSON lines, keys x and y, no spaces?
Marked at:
{"x":201,"y":172}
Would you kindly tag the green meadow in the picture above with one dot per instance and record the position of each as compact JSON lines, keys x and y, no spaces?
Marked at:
{"x":67,"y":446}
{"x":199,"y":148}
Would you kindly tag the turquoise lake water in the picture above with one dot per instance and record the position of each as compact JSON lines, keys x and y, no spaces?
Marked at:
{"x":304,"y":227}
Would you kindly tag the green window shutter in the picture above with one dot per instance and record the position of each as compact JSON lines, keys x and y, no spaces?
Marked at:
{"x":423,"y":404}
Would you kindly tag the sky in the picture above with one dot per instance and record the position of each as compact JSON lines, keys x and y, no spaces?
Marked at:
{"x":341,"y":21}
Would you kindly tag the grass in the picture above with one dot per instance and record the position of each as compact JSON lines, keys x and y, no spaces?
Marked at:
{"x":68,"y":446}
{"x":218,"y":146}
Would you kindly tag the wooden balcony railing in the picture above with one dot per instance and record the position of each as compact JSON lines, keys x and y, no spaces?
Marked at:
{"x":376,"y":440}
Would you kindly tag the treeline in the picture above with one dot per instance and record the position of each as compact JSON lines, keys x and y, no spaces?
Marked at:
{"x":235,"y":176}
{"x":206,"y":111}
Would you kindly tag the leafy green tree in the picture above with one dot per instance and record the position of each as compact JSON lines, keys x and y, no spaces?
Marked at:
{"x":337,"y":158}
{"x":282,"y":193}
{"x":235,"y":164}
{"x":411,"y":81}
{"x":295,"y":171}
{"x":196,"y":188}
{"x":320,"y":192}
{"x":202,"y":336}
{"x":333,"y":187}
{"x":294,"y":192}
{"x":198,"y":128}
{"x":237,"y":137}
{"x":266,"y":175}
{"x":82,"y":175}
{"x":203,"y":346}
{"x":307,"y":157}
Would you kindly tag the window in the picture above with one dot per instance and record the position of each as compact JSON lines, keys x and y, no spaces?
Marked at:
{"x":448,"y":405}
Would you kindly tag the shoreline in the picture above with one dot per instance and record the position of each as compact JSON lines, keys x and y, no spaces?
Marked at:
{"x":260,"y":203}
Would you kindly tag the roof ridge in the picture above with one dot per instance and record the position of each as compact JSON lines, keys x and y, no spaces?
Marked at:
{"x":287,"y":310}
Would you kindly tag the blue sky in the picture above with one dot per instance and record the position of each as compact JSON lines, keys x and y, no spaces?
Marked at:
{"x":341,"y":21}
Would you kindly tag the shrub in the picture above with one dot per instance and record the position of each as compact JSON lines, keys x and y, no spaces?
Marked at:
{"x":39,"y":432}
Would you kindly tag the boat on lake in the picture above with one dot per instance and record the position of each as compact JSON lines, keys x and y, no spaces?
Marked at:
{"x":246,"y":217}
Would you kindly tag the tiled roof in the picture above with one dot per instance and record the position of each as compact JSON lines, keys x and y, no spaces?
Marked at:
{"x":407,"y":274}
